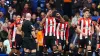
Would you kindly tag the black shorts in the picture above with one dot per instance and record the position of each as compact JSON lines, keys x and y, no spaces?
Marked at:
{"x":49,"y":41}
{"x":18,"y":40}
{"x":98,"y":41}
{"x":13,"y":45}
{"x":84,"y":42}
{"x":29,"y":43}
{"x":94,"y":41}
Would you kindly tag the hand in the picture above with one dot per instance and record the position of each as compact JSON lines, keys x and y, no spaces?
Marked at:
{"x":49,"y":12}
{"x":66,"y":42}
{"x":36,"y":40}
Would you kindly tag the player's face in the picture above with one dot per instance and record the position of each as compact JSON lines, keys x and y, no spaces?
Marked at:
{"x":86,"y":14}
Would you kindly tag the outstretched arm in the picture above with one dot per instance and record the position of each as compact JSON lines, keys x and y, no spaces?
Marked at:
{"x":43,"y":20}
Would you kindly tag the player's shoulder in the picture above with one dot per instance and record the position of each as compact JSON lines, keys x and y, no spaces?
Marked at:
{"x":66,"y":22}
{"x":12,"y":25}
{"x":90,"y":18}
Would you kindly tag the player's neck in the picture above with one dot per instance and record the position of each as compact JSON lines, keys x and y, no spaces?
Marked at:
{"x":85,"y":18}
{"x":28,"y":19}
{"x":50,"y":17}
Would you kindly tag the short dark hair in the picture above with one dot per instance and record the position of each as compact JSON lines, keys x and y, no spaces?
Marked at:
{"x":86,"y":10}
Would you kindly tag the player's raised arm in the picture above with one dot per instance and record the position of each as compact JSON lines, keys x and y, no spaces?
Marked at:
{"x":43,"y":20}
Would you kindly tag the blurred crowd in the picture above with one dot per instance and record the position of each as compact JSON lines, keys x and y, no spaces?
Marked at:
{"x":70,"y":10}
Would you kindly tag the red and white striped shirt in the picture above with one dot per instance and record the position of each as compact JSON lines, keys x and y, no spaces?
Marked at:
{"x":85,"y":26}
{"x":13,"y":28}
{"x":61,"y":31}
{"x":50,"y":26}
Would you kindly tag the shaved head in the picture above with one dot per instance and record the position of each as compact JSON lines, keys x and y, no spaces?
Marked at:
{"x":28,"y":16}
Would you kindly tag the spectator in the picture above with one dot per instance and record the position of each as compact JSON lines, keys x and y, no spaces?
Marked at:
{"x":94,"y":8}
{"x":6,"y":25}
{"x":48,"y":6}
{"x":67,"y":8}
{"x":40,"y":37}
{"x":75,"y":19}
{"x":96,"y":1}
{"x":57,"y":11}
{"x":26,"y":9}
{"x":33,"y":20}
{"x":2,"y":19}
{"x":1,"y":23}
{"x":38,"y":12}
{"x":7,"y":46}
{"x":42,"y":15}
{"x":88,"y":3}
{"x":13,"y":18}
{"x":52,"y":3}
{"x":34,"y":4}
{"x":37,"y":24}
{"x":3,"y":7}
{"x":8,"y":3}
{"x":96,"y":13}
{"x":16,"y":6}
{"x":58,"y":4}
{"x":22,"y":18}
{"x":76,"y":4}
{"x":4,"y":33}
{"x":95,"y":16}
{"x":99,"y":8}
{"x":2,"y":49}
{"x":10,"y":13}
